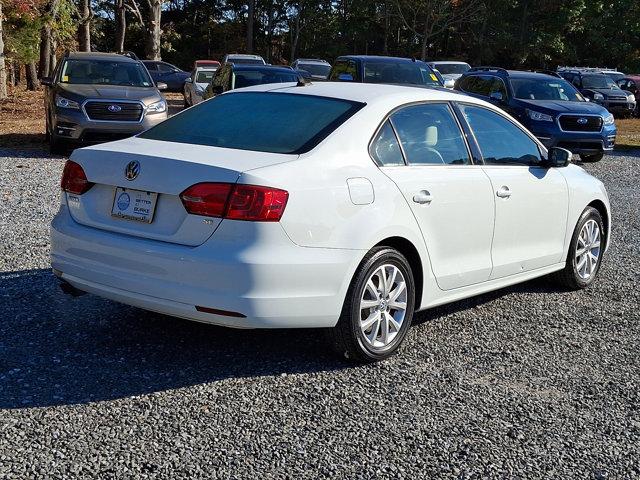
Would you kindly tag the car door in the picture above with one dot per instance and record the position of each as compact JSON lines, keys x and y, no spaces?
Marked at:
{"x":531,"y":201}
{"x":422,"y":149}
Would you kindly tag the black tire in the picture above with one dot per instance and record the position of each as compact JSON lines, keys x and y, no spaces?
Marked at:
{"x":58,"y":146}
{"x":596,"y":157}
{"x":346,"y":337}
{"x":569,"y":276}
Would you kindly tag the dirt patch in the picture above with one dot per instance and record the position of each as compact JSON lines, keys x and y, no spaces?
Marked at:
{"x":628,"y":133}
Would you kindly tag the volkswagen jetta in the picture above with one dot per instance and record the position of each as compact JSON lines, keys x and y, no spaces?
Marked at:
{"x":335,"y":205}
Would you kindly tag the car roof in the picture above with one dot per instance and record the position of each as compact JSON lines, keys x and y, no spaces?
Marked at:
{"x":511,"y":74}
{"x":312,"y":60}
{"x":633,"y":77}
{"x":377,"y":58}
{"x":100,"y":56}
{"x":243,"y":67}
{"x":369,"y":93}
{"x":243,"y":55}
{"x":448,"y":62}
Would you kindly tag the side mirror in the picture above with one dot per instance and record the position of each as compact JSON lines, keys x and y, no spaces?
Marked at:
{"x":345,"y":77}
{"x":558,"y":157}
{"x":497,"y":96}
{"x":48,"y":81}
{"x":161,"y":86}
{"x":449,"y":83}
{"x":188,"y":80}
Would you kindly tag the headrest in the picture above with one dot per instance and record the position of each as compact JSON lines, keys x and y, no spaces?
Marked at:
{"x":431,"y":137}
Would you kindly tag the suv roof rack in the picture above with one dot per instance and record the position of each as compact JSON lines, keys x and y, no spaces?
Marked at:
{"x":489,"y":69}
{"x":130,"y":54}
{"x":586,"y":69}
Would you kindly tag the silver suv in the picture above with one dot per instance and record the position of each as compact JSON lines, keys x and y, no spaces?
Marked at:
{"x":96,"y":97}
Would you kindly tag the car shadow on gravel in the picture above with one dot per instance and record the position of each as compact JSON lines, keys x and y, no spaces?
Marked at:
{"x":60,"y":350}
{"x":24,"y":145}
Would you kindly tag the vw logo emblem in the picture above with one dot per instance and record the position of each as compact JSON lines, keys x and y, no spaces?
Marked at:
{"x":582,"y":121}
{"x":114,"y":108}
{"x":132,"y":170}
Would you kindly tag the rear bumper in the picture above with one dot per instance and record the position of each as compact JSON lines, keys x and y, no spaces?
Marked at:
{"x":250,"y":268}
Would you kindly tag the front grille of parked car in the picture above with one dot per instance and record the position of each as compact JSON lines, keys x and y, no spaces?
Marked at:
{"x":617,"y":98}
{"x":575,"y":123}
{"x":114,"y":111}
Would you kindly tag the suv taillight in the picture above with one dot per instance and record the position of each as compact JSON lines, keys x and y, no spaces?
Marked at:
{"x":74,"y":179}
{"x":235,"y":201}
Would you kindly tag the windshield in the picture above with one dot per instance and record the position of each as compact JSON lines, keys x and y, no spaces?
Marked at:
{"x":318,"y":69}
{"x":615,"y":76}
{"x":104,"y":72}
{"x":598,"y":81}
{"x":538,"y":89}
{"x":448,"y":68}
{"x":249,"y":78}
{"x":205,"y":76}
{"x":403,"y":73}
{"x":258,"y":121}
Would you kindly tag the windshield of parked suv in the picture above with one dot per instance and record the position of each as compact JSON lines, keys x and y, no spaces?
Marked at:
{"x":205,"y":76}
{"x":403,"y":73}
{"x":538,"y":89}
{"x":448,"y":68}
{"x":248,"y":78}
{"x":258,"y":121}
{"x":104,"y":72}
{"x":315,"y":68}
{"x":598,"y":81}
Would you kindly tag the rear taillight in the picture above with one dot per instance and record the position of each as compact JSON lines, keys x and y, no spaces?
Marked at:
{"x":74,"y":179}
{"x":234,"y":201}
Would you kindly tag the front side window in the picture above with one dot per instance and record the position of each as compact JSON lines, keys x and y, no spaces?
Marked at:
{"x":104,"y":72}
{"x":259,"y":121}
{"x":344,"y":70}
{"x":498,"y":86}
{"x":430,"y":135}
{"x":385,"y":148}
{"x":501,"y":142}
{"x":165,"y":67}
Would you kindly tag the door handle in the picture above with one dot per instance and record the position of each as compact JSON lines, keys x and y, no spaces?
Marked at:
{"x":422,"y":197}
{"x":504,"y":192}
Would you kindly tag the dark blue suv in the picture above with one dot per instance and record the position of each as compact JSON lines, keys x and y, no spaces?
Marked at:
{"x":551,"y":108}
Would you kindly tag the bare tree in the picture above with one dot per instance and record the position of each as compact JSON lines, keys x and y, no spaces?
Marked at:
{"x":47,"y":42}
{"x":84,"y":26}
{"x":32,"y":76}
{"x":435,"y":16}
{"x":121,"y":25}
{"x":250,"y":14}
{"x":151,"y":24}
{"x":3,"y":70}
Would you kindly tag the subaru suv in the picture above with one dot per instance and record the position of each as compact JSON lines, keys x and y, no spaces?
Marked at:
{"x":95,"y":97}
{"x":601,"y":89}
{"x":378,"y":69}
{"x":551,"y":108}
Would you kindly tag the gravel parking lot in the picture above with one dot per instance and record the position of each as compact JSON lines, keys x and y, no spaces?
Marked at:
{"x":526,"y":382}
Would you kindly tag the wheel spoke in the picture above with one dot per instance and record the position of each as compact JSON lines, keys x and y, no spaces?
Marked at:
{"x":370,"y":320}
{"x":393,"y":322}
{"x":374,"y":331}
{"x":581,"y":262}
{"x":372,"y":289}
{"x":581,"y":252}
{"x":385,"y":328}
{"x":364,"y":304}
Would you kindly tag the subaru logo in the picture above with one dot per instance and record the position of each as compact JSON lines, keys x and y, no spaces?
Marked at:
{"x":582,"y":121}
{"x":114,"y":108}
{"x":132,"y":170}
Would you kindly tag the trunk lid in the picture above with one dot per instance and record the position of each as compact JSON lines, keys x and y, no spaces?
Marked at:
{"x":165,"y":168}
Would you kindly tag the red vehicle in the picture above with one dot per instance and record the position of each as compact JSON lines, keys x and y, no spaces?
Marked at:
{"x":206,"y":63}
{"x":631,"y":83}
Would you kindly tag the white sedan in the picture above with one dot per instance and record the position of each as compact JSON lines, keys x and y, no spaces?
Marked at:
{"x":335,"y":205}
{"x":195,"y":85}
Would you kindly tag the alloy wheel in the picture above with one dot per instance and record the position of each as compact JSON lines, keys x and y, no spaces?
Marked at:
{"x":383,"y":306}
{"x":588,"y":249}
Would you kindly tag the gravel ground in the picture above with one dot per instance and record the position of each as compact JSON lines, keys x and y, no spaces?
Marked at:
{"x":526,"y":382}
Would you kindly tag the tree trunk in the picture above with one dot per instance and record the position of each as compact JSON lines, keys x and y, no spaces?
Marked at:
{"x":32,"y":76}
{"x":84,"y":26}
{"x":45,"y":67}
{"x":152,"y":46}
{"x":296,"y":38}
{"x":385,"y":48}
{"x":425,"y":39}
{"x":250,"y":14}
{"x":3,"y":70}
{"x":121,"y":25}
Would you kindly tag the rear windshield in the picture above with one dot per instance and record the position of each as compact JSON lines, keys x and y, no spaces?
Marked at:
{"x":319,"y":69}
{"x":249,"y":78}
{"x":205,"y":76}
{"x":399,"y":72}
{"x":451,"y":68}
{"x":259,"y":121}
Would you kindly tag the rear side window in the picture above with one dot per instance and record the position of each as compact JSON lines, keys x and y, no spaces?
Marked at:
{"x":249,"y":78}
{"x":346,"y":68}
{"x":430,"y":135}
{"x":477,"y":84}
{"x":385,"y":148}
{"x":501,"y":142}
{"x":258,"y":121}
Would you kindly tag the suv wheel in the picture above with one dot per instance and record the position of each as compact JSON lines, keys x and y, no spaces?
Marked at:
{"x":58,"y":146}
{"x":585,"y":252}
{"x":592,"y":158}
{"x":378,"y":308}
